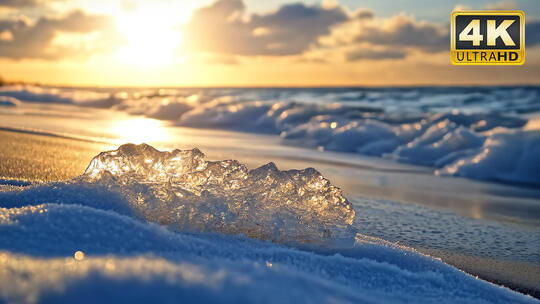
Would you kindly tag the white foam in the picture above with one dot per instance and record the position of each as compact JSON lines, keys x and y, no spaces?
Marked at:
{"x":29,"y":93}
{"x":6,"y":101}
{"x":426,"y":126}
{"x":505,"y":156}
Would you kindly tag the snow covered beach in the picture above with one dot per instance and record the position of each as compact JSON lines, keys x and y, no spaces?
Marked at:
{"x":492,"y":224}
{"x":112,"y":208}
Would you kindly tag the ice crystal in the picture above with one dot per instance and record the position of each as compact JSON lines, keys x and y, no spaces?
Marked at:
{"x":180,"y":188}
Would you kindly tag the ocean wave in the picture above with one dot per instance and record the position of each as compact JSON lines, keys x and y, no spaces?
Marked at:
{"x":30,"y":93}
{"x":505,"y":156}
{"x":444,"y":128}
{"x":442,"y":140}
{"x":431,"y":139}
{"x":6,"y":101}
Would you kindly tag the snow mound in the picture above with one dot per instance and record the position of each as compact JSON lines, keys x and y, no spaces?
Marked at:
{"x":180,"y":188}
{"x":128,"y":260}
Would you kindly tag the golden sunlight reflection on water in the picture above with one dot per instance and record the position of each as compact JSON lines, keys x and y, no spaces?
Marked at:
{"x":532,"y":124}
{"x":139,"y":130}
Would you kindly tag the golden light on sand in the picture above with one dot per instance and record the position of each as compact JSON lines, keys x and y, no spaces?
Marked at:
{"x":532,"y":124}
{"x":139,"y":130}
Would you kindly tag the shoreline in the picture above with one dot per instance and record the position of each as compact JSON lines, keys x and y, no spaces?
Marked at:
{"x":503,"y":273}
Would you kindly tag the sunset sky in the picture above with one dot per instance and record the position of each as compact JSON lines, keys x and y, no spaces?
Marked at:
{"x":246,"y":43}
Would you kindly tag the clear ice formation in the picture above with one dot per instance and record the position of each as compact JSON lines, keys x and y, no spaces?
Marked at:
{"x":180,"y":188}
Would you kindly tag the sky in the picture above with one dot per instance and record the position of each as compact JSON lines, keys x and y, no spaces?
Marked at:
{"x":247,"y":43}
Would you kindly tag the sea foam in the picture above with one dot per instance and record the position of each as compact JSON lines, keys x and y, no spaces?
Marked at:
{"x":439,"y":127}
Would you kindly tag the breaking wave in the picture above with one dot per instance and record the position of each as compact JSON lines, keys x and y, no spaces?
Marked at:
{"x":457,"y":131}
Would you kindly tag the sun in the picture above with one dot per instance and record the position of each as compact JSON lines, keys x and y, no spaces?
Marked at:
{"x":139,"y":130}
{"x":152,"y":36}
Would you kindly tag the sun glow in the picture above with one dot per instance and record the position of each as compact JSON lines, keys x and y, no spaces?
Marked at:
{"x":152,"y":34}
{"x":139,"y":130}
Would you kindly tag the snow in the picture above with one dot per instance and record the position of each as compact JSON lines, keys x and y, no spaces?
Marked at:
{"x":120,"y":233}
{"x":126,"y":259}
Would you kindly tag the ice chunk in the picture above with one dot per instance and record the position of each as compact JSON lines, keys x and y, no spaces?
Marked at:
{"x":181,"y":188}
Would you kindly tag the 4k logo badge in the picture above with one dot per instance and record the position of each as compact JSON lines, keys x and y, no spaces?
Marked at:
{"x":487,"y":37}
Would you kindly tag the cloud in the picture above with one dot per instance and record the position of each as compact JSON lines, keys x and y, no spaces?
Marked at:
{"x":292,"y":29}
{"x":386,"y":38}
{"x":404,"y":31}
{"x":461,"y":7}
{"x":37,"y":40}
{"x":18,"y":3}
{"x":22,"y":3}
{"x":502,"y":5}
{"x":532,"y":33}
{"x":373,"y":54}
{"x":220,"y":59}
{"x":362,"y":14}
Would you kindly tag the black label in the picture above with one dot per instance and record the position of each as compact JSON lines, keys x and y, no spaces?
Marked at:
{"x":462,"y":21}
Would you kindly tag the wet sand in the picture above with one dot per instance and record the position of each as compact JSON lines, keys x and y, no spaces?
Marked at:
{"x":44,"y":158}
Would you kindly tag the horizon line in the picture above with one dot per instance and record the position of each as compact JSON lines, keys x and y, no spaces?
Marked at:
{"x":269,"y":86}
